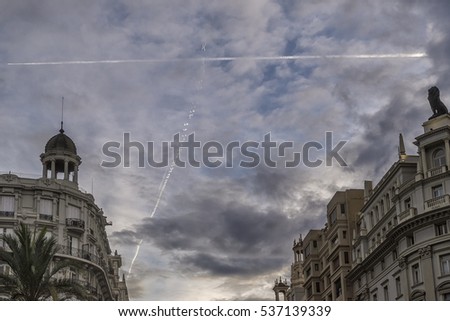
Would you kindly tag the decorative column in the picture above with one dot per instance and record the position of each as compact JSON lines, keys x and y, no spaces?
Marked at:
{"x":44,"y":170}
{"x":66,"y":169}
{"x":53,"y":169}
{"x":75,"y":174}
{"x":424,"y":161}
{"x":404,"y":280}
{"x":427,"y":278}
{"x":447,"y":153}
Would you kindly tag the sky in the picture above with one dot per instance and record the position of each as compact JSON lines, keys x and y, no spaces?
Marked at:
{"x":225,"y":71}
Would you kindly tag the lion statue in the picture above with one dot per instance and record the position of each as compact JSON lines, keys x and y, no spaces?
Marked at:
{"x":437,"y":106}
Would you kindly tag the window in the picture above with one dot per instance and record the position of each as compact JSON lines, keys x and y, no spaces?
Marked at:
{"x":394,"y":254}
{"x":407,"y":203}
{"x":446,"y":297}
{"x":316,"y":267}
{"x":410,"y":240}
{"x":7,"y":205}
{"x":334,"y":240}
{"x":73,"y":212}
{"x":344,"y":234}
{"x":386,"y":293}
{"x":333,"y":216}
{"x":346,"y":258}
{"x":338,"y":287}
{"x":46,"y":209}
{"x":336,"y":263}
{"x":438,"y":158}
{"x":441,"y":229}
{"x":74,"y":245}
{"x":374,"y":297}
{"x":445,"y":264}
{"x":307,"y":250}
{"x":308,"y":272}
{"x":342,"y":208}
{"x":314,"y":244}
{"x":416,"y":273}
{"x":398,"y":286}
{"x":383,"y":265}
{"x":317,"y":287}
{"x":437,"y":191}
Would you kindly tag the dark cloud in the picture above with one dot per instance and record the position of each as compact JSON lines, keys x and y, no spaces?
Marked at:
{"x":226,"y":238}
{"x":377,"y":146}
{"x":225,"y":266}
{"x":438,"y":45}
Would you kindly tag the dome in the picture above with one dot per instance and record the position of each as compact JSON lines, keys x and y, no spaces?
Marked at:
{"x":61,"y":142}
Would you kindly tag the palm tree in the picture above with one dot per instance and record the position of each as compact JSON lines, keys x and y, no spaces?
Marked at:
{"x":33,"y":276}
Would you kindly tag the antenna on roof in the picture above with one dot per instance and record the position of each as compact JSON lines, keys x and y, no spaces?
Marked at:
{"x":62,"y":115}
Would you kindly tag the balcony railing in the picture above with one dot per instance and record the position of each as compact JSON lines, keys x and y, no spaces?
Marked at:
{"x":6,"y":214}
{"x":437,"y":202}
{"x":83,"y":254}
{"x":75,"y":223}
{"x":407,"y":214}
{"x":436,"y":171}
{"x":46,"y":217}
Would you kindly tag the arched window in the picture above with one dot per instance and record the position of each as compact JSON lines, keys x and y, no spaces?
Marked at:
{"x":438,"y":158}
{"x":417,"y":295}
{"x":444,"y":291}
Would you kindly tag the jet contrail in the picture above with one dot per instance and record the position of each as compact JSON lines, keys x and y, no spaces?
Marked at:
{"x":135,"y":256}
{"x":166,"y":177}
{"x":212,"y":59}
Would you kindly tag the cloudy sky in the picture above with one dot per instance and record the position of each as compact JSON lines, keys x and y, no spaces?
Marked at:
{"x":359,"y":69}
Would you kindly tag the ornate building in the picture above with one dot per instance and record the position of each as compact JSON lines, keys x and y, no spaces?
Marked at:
{"x":400,"y":240}
{"x":323,"y":258}
{"x":69,"y":214}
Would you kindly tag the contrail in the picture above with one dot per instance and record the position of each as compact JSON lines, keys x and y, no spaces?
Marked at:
{"x":166,"y":177}
{"x":212,"y":59}
{"x":135,"y":256}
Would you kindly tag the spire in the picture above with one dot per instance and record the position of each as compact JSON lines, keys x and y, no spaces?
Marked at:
{"x":62,"y":115}
{"x":401,"y":147}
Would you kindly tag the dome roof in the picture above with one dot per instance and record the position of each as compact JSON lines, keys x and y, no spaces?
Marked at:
{"x":61,"y":142}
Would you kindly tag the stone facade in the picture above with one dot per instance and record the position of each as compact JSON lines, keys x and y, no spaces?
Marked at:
{"x":397,"y":236}
{"x":55,"y":201}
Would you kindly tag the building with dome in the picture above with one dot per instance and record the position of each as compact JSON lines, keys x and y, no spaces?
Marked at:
{"x":394,"y":243}
{"x":55,"y":201}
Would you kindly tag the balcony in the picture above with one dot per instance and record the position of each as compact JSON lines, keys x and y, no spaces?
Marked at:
{"x":407,"y":214}
{"x":436,"y":171}
{"x":75,"y":224}
{"x":437,"y":202}
{"x":46,"y":217}
{"x":82,"y":254}
{"x":6,"y":214}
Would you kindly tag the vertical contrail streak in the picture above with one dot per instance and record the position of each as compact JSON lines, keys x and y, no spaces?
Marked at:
{"x":168,"y":173}
{"x":135,"y":256}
